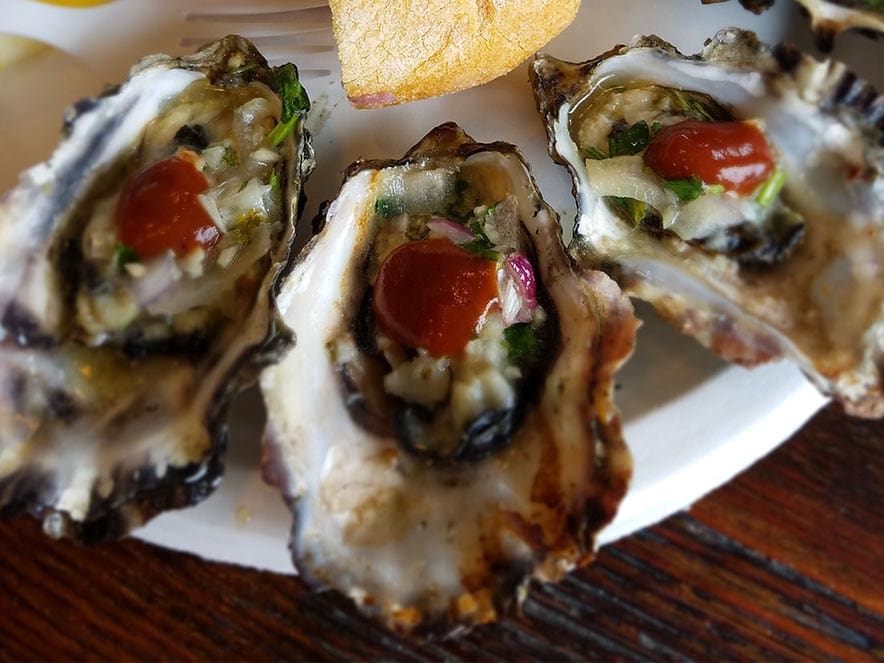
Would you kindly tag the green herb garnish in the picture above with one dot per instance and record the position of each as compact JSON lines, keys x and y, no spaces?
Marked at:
{"x":244,"y":226}
{"x":623,"y":142}
{"x":387,"y":207}
{"x":595,"y":153}
{"x":521,"y":343}
{"x":687,"y":189}
{"x":478,"y":230}
{"x":480,"y":249}
{"x":655,"y":128}
{"x":632,"y":209}
{"x":275,"y":183}
{"x":230,"y":157}
{"x":481,"y":246}
{"x":628,"y":141}
{"x":123,"y":255}
{"x":769,"y":191}
{"x":691,"y":106}
{"x":295,"y":103}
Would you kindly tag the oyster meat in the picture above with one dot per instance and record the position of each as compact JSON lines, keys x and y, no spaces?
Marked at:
{"x":764,"y":244}
{"x":444,"y":428}
{"x":138,"y":272}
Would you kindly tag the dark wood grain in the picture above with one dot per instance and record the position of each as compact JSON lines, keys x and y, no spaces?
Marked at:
{"x":782,"y":563}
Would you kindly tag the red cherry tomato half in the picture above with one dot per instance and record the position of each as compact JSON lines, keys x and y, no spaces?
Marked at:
{"x":159,"y":210}
{"x":733,"y":154}
{"x":431,"y":294}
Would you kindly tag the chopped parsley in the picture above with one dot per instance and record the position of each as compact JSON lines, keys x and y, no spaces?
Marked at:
{"x":769,"y":191}
{"x":230,"y":157}
{"x":275,"y":183}
{"x":520,"y":341}
{"x":245,"y":225}
{"x":628,"y":141}
{"x":623,"y":142}
{"x":387,"y":207}
{"x":294,"y":101}
{"x":595,"y":153}
{"x":482,"y":245}
{"x":634,"y":210}
{"x":686,"y":189}
{"x":123,"y":255}
{"x":696,"y":107}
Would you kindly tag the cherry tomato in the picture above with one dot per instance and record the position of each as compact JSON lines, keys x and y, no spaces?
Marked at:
{"x":159,"y":210}
{"x":431,"y":294}
{"x":733,"y":154}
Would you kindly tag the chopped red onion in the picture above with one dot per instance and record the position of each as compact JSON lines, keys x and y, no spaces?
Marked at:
{"x":521,"y":271}
{"x":519,"y":293}
{"x":160,"y":275}
{"x":449,"y":229}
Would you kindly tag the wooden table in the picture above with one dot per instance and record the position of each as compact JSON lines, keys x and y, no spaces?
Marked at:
{"x":785,"y":562}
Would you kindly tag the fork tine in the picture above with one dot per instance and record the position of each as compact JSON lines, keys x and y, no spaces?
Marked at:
{"x":316,"y":12}
{"x":200,"y":28}
{"x":302,"y":35}
{"x":309,"y":65}
{"x":315,"y":41}
{"x":308,"y":35}
{"x":253,"y":7}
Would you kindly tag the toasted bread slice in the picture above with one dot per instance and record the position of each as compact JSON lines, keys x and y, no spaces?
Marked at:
{"x":394,"y":51}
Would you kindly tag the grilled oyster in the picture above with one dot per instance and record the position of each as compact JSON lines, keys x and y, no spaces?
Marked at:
{"x":444,"y":428}
{"x":830,"y":17}
{"x":780,"y":258}
{"x":139,"y":269}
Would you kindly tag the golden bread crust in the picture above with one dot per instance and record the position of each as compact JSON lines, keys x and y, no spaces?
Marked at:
{"x":393,"y":51}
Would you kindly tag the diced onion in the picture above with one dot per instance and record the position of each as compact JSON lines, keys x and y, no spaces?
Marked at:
{"x":207,"y":288}
{"x":706,"y":215}
{"x":518,"y":290}
{"x":522,"y":272}
{"x":249,"y":120}
{"x":210,"y":205}
{"x":624,"y":177}
{"x":226,"y":203}
{"x":160,"y":276}
{"x":265,"y":155}
{"x":440,"y":227}
{"x":226,"y":256}
{"x":214,"y":156}
{"x":251,"y":198}
{"x":425,"y":380}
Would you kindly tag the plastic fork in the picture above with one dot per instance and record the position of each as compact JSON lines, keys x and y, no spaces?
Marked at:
{"x":109,"y":37}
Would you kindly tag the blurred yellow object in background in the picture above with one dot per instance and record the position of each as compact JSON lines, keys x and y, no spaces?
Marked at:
{"x":75,"y":3}
{"x":14,"y":49}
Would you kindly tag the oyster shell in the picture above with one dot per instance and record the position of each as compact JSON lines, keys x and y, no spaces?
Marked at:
{"x":828,"y":18}
{"x":121,"y":349}
{"x":816,"y":297}
{"x":421,"y":526}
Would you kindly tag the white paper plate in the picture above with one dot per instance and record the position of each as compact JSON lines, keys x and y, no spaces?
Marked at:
{"x":692,"y":422}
